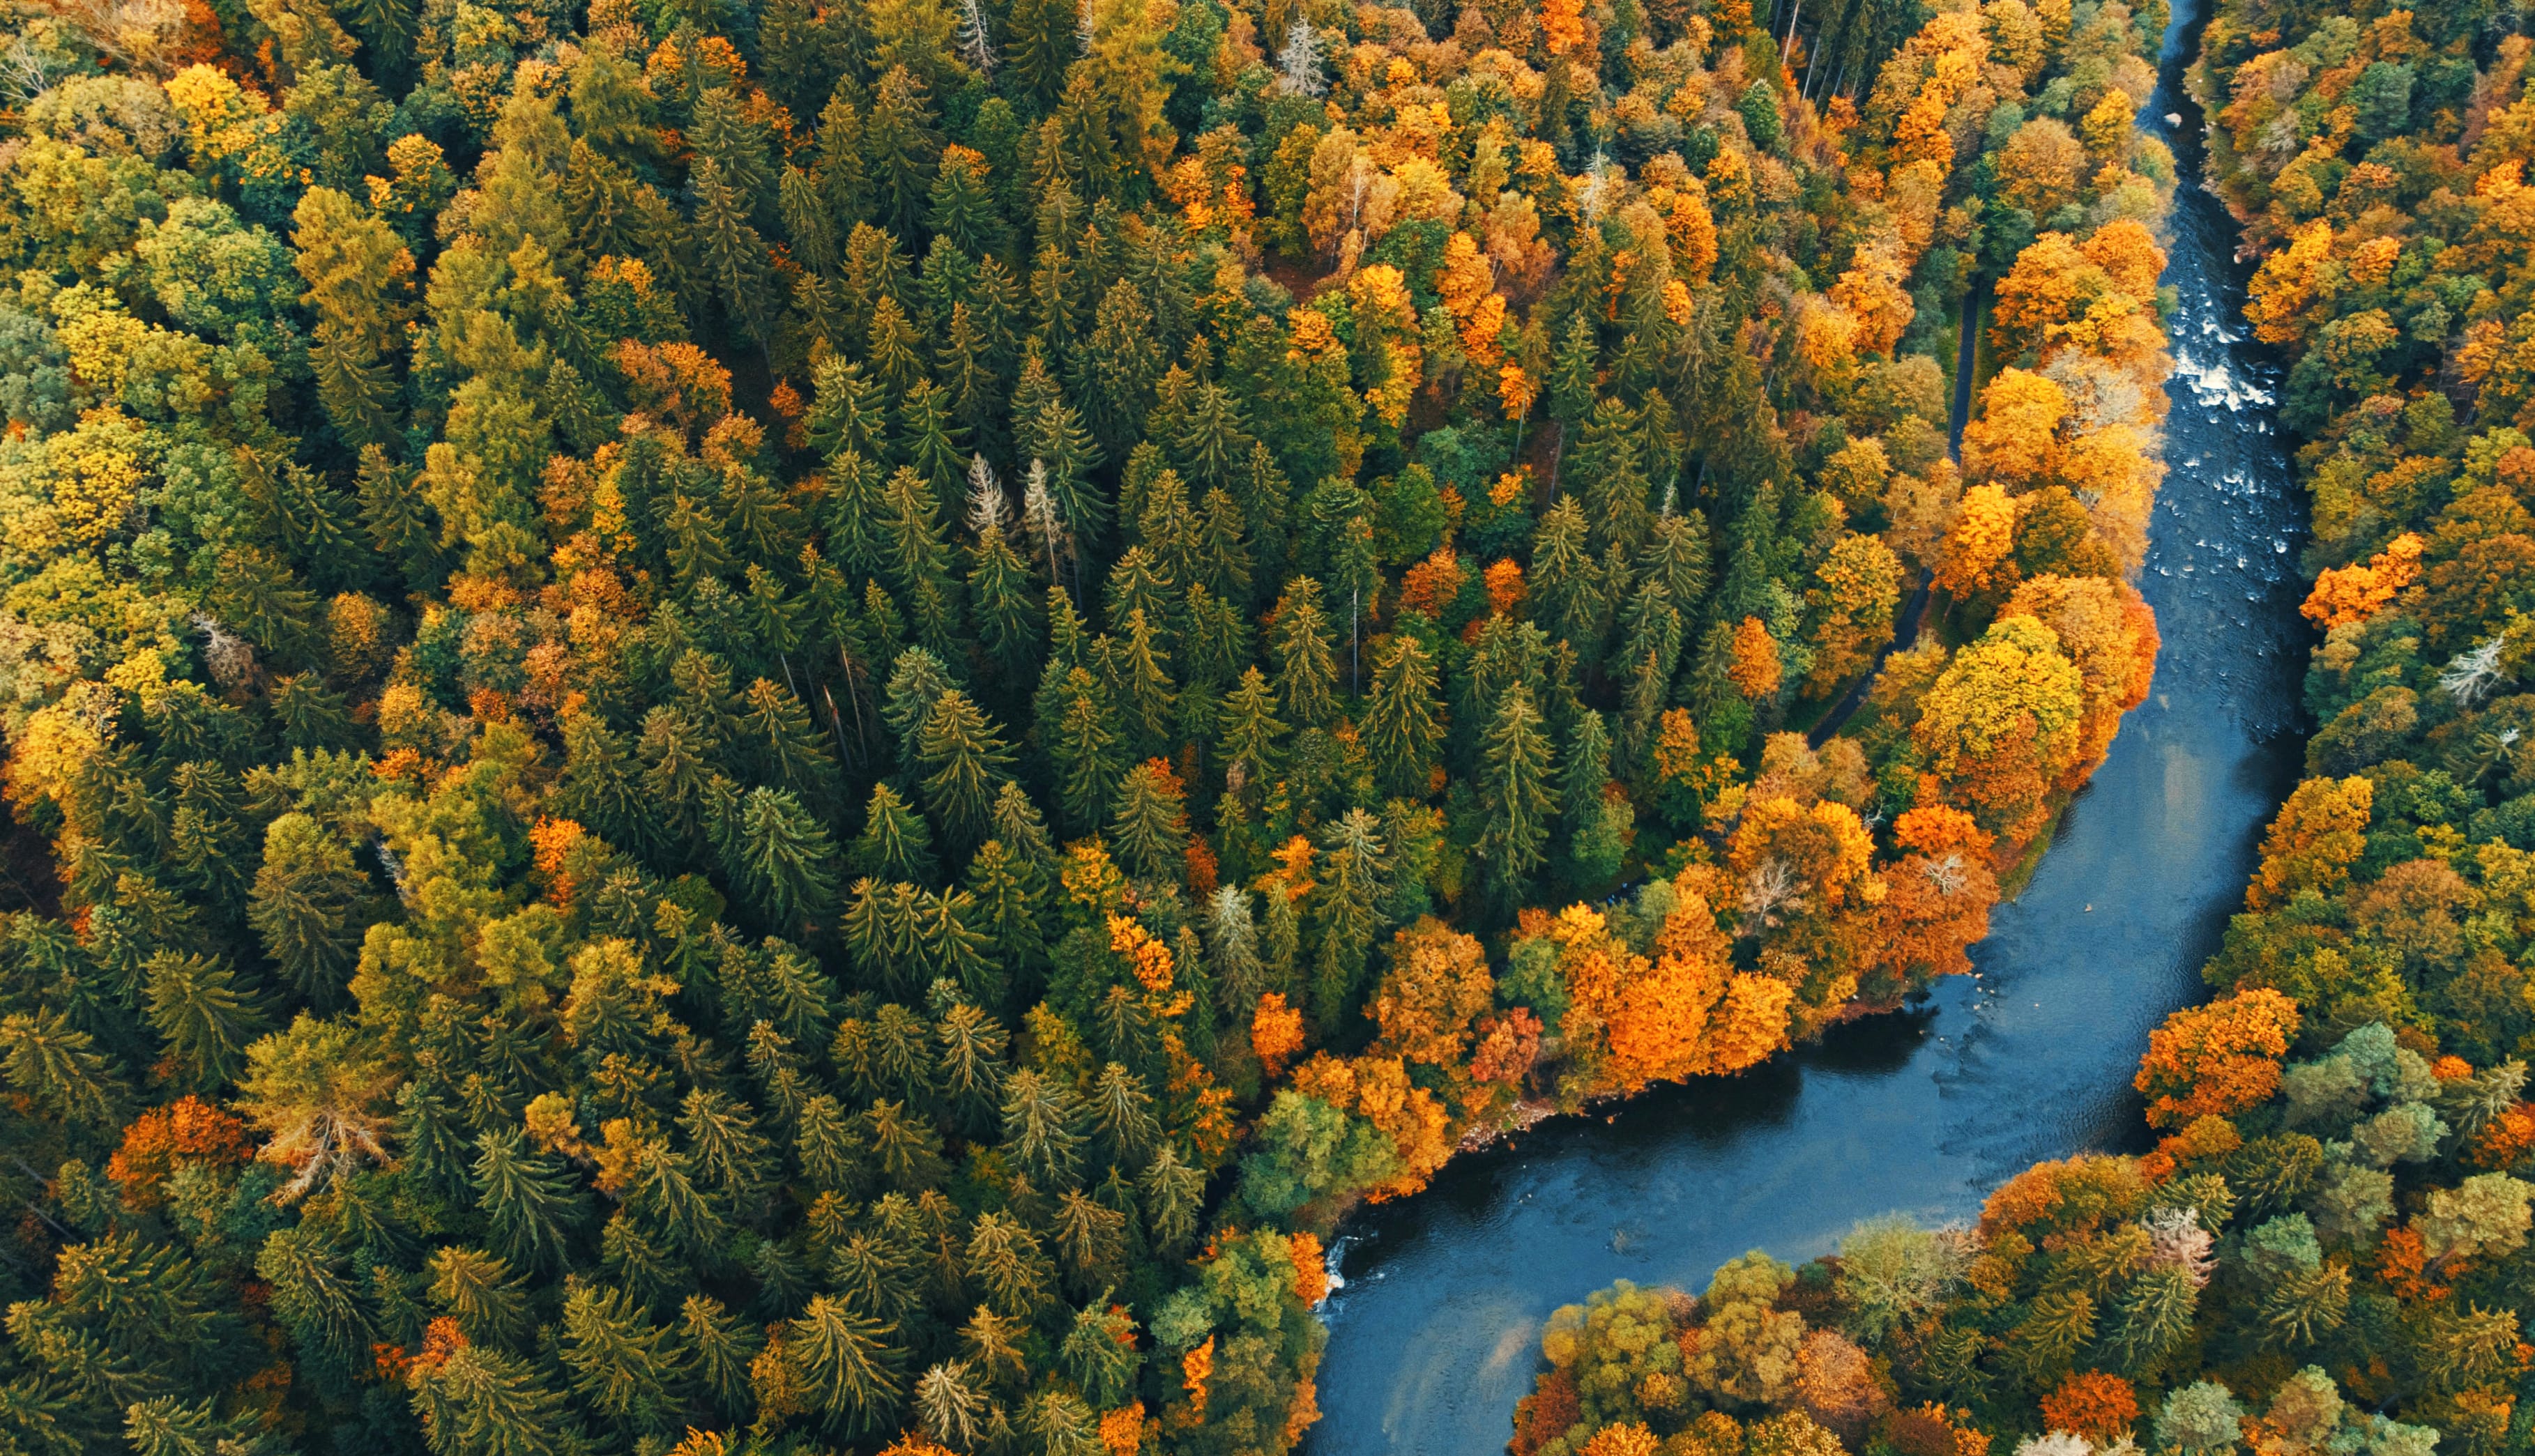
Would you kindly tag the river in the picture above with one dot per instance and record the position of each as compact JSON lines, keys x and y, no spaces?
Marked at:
{"x":1433,"y":1332}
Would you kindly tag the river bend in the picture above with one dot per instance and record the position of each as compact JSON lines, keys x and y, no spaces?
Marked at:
{"x":1433,"y":1332}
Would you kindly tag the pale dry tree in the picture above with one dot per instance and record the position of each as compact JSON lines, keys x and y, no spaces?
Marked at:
{"x":1043,"y":519}
{"x":948,"y":1406}
{"x":975,"y":46}
{"x":1947,"y":875}
{"x":1233,"y":938}
{"x":2056,"y":1443}
{"x":226,"y":654}
{"x":1771,"y":887}
{"x":2470,"y":675}
{"x":2176,"y":1239}
{"x":139,"y":34}
{"x":987,"y":509}
{"x":1298,"y":61}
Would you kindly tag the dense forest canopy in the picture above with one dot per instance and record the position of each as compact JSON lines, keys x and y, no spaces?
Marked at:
{"x":2328,"y":1251}
{"x":798,"y":728}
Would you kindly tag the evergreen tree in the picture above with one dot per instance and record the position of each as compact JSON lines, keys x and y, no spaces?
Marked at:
{"x":527,"y":1201}
{"x":730,"y":251}
{"x":1250,"y":730}
{"x":847,"y":1369}
{"x":1299,"y":640}
{"x":778,"y":857}
{"x":900,"y":148}
{"x":203,"y":1015}
{"x":783,"y":746}
{"x":1040,"y":47}
{"x":305,"y":905}
{"x":478,"y":1290}
{"x":1403,"y":721}
{"x":1004,"y":606}
{"x":620,"y":1363}
{"x":1119,"y":367}
{"x":895,"y":844}
{"x":1082,"y":749}
{"x":1513,"y":796}
{"x":965,"y":758}
{"x":1041,"y":1138}
{"x":1151,"y":824}
{"x":57,"y":1068}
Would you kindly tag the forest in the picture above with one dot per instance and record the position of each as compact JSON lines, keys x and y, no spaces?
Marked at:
{"x":2326,"y":1250}
{"x":802,"y":728}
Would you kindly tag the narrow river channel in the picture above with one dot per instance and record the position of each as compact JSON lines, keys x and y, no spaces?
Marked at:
{"x":1434,"y":1334}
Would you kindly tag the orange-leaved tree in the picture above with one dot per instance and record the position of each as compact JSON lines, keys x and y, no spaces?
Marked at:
{"x":2216,"y":1059}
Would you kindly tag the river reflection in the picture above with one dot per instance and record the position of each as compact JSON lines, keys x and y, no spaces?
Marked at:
{"x":1434,"y":1333}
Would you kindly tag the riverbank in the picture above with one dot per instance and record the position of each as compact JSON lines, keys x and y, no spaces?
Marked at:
{"x":1434,"y":1333}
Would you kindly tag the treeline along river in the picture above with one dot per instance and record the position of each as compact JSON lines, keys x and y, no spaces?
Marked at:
{"x":1434,"y":1333}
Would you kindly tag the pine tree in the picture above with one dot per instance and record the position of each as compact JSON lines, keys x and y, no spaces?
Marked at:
{"x":1513,"y":796}
{"x":1403,"y":722}
{"x":1041,"y":45}
{"x":202,"y":1014}
{"x":842,"y":183}
{"x":1117,"y":370}
{"x":917,"y":680}
{"x":1053,"y":435}
{"x":721,"y":1350}
{"x":913,"y":547}
{"x":1151,"y":824}
{"x":527,"y":1200}
{"x":57,"y":1067}
{"x":960,"y":208}
{"x":1099,"y":1353}
{"x":1082,"y":750}
{"x":900,"y":148}
{"x":316,"y":1303}
{"x":896,"y":844}
{"x":965,"y":757}
{"x":730,"y":251}
{"x":1249,"y":729}
{"x":783,"y":746}
{"x":1565,"y":584}
{"x":1009,"y":910}
{"x":1090,"y":1238}
{"x":826,"y":1144}
{"x":1007,"y":1263}
{"x":1024,"y":832}
{"x":2152,"y":1318}
{"x":1004,"y":606}
{"x":304,"y":905}
{"x":1306,"y":671}
{"x":847,"y":1370}
{"x":778,"y":857}
{"x":621,"y":1364}
{"x":696,"y":549}
{"x":949,"y":1405}
{"x":728,"y":1150}
{"x":972,"y":1047}
{"x":904,"y":1148}
{"x":1144,"y":685}
{"x":480,"y":1402}
{"x":925,"y":438}
{"x":1571,"y":373}
{"x":489,"y":1302}
{"x":1596,"y":827}
{"x":1222,"y":548}
{"x":398,"y":521}
{"x":1041,"y":1132}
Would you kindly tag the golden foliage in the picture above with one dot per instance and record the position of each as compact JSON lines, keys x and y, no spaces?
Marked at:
{"x":2219,"y":1058}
